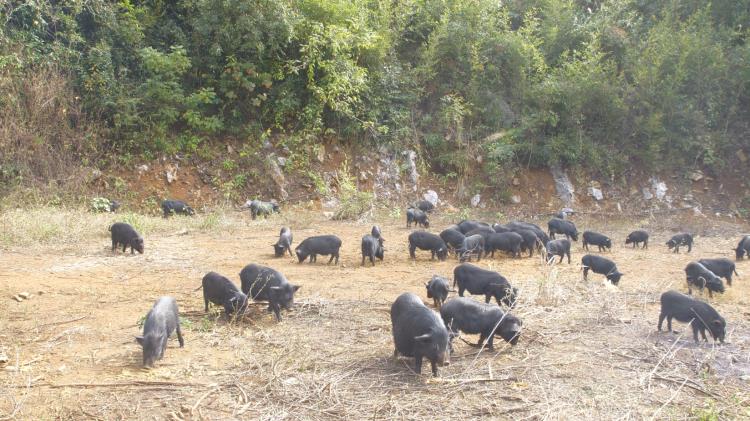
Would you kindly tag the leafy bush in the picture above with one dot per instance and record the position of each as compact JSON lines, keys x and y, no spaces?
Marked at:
{"x":353,"y":203}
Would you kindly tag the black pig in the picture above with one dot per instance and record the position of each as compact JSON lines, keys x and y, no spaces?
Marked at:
{"x":723,"y":268}
{"x":418,"y":217}
{"x":321,"y":244}
{"x":284,"y":244}
{"x":437,"y":289}
{"x":218,"y":289}
{"x":600,"y":265}
{"x":126,"y":235}
{"x":699,"y":314}
{"x":506,"y":241}
{"x":472,"y":317}
{"x":176,"y":207}
{"x":680,"y":240}
{"x":596,"y":239}
{"x":637,"y":236}
{"x":698,"y":275}
{"x":473,"y":244}
{"x":743,"y":248}
{"x":262,"y":283}
{"x":561,"y":226}
{"x":161,"y":321}
{"x":372,"y":247}
{"x":454,"y":239}
{"x":480,"y":281}
{"x":560,"y":248}
{"x":424,"y":240}
{"x":419,"y":332}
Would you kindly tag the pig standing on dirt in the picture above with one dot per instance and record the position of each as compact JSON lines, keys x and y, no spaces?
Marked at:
{"x":476,"y":280}
{"x":637,"y":236}
{"x":419,"y":332}
{"x":453,"y":238}
{"x":723,"y":268}
{"x":284,"y":244}
{"x":558,"y":248}
{"x":699,"y":276}
{"x":506,"y":241}
{"x":259,"y":207}
{"x":176,"y":207}
{"x":437,"y":289}
{"x":372,"y":247}
{"x":743,"y":248}
{"x":161,"y":321}
{"x":699,"y":314}
{"x":424,"y":240}
{"x":562,"y":226}
{"x":680,"y":240}
{"x":321,"y":244}
{"x":418,"y":217}
{"x":602,"y":266}
{"x":262,"y":283}
{"x":596,"y":239}
{"x":126,"y":235}
{"x":217,"y":289}
{"x":473,"y":245}
{"x":472,"y":317}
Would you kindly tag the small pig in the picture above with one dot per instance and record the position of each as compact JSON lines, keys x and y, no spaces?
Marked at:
{"x":558,"y":248}
{"x":473,"y":244}
{"x":596,"y":239}
{"x":480,"y":281}
{"x":637,"y":236}
{"x":465,"y":226}
{"x":372,"y":247}
{"x":699,"y":276}
{"x":126,"y":235}
{"x":723,"y":268}
{"x":680,"y":240}
{"x":176,"y":207}
{"x":743,"y":248}
{"x":424,"y":240}
{"x":600,"y":265}
{"x":700,"y":315}
{"x":321,"y":244}
{"x":453,"y":239}
{"x":419,"y":332}
{"x":261,"y":208}
{"x":418,"y":217}
{"x":472,"y":317}
{"x":506,"y":241}
{"x":161,"y":321}
{"x":530,"y":241}
{"x":561,"y":226}
{"x":284,"y":244}
{"x":425,"y":206}
{"x":262,"y":283}
{"x":437,"y":289}
{"x":217,"y":289}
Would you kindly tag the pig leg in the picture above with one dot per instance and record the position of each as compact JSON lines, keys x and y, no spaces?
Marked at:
{"x":669,"y":323}
{"x":567,"y":253}
{"x":331,"y":259}
{"x":124,"y":247}
{"x":661,"y":320}
{"x":114,"y":246}
{"x":337,"y":258}
{"x":695,"y":330}
{"x":434,"y":368}
{"x":585,"y":273}
{"x":179,"y":335}
{"x":363,"y":260}
{"x":418,"y":363}
{"x":276,"y":311}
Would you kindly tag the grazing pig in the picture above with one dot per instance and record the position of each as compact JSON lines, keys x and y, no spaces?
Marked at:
{"x":561,"y":226}
{"x":473,"y":244}
{"x":600,"y":265}
{"x":465,"y":226}
{"x":637,"y":236}
{"x":425,"y":206}
{"x":480,"y":281}
{"x":680,"y":240}
{"x":424,"y":240}
{"x":437,"y":289}
{"x":700,"y":315}
{"x":262,"y":283}
{"x":453,"y":238}
{"x":506,"y":241}
{"x":418,"y":217}
{"x":217,"y":289}
{"x":371,"y":248}
{"x":261,"y":208}
{"x":484,"y":231}
{"x":321,"y":244}
{"x":472,"y":317}
{"x":743,"y":248}
{"x":596,"y":239}
{"x":515,"y":226}
{"x":161,"y":321}
{"x":560,"y":248}
{"x":419,"y":332}
{"x":126,"y":235}
{"x":530,"y":241}
{"x":284,"y":244}
{"x":723,"y":268}
{"x":698,"y":275}
{"x":176,"y":207}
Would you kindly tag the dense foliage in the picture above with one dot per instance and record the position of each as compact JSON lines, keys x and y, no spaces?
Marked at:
{"x":602,"y":83}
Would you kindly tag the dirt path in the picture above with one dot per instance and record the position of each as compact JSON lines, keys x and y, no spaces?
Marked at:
{"x":588,"y":349}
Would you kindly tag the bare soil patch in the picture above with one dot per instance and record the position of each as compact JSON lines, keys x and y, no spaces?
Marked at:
{"x":588,"y":349}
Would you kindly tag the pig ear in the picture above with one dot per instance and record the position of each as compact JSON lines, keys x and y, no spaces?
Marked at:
{"x":139,"y":339}
{"x":423,"y":338}
{"x":296,"y":287}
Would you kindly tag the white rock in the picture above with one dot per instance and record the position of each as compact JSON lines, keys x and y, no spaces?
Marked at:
{"x":431,"y":196}
{"x":328,"y":215}
{"x":647,"y":194}
{"x":142,"y":169}
{"x":563,"y":185}
{"x":596,"y":193}
{"x":696,"y":176}
{"x":659,"y":188}
{"x":516,"y":199}
{"x":171,"y":174}
{"x":475,"y":200}
{"x":282,"y":161}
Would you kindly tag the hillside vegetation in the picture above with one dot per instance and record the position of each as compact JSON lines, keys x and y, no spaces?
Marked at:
{"x":600,"y":85}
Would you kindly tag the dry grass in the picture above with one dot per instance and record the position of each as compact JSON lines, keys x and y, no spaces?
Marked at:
{"x":588,"y":349}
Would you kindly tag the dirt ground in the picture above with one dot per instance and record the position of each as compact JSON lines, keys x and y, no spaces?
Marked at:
{"x":588,"y":349}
